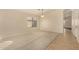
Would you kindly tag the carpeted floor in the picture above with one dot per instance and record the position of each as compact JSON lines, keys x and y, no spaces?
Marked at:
{"x":33,"y":40}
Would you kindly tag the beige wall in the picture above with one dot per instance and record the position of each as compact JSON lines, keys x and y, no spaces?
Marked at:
{"x":12,"y":23}
{"x":75,"y":23}
{"x":67,"y":18}
{"x":15,"y":22}
{"x":52,"y":21}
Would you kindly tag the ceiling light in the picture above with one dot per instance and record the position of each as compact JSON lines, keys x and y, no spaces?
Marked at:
{"x":42,"y":16}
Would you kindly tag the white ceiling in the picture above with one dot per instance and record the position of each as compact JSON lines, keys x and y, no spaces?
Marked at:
{"x":30,"y":11}
{"x":34,"y":11}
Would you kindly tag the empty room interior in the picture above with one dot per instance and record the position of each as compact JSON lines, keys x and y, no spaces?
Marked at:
{"x":39,"y":29}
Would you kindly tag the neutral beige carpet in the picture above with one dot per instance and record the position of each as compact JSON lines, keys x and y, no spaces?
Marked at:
{"x":33,"y":40}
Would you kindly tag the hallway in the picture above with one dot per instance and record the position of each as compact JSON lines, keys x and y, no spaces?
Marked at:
{"x":64,"y":42}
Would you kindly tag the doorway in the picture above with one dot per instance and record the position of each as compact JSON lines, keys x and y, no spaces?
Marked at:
{"x":67,"y":20}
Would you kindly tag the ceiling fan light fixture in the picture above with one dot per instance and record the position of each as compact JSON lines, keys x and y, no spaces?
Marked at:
{"x":42,"y":15}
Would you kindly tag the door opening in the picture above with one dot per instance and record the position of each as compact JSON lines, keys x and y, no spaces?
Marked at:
{"x":67,"y":20}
